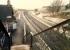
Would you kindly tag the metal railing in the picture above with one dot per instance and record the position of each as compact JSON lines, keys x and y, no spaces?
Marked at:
{"x":54,"y":38}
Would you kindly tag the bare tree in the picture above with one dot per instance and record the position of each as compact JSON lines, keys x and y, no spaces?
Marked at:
{"x":55,"y":6}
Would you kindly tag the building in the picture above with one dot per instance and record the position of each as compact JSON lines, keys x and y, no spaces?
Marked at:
{"x":6,"y":11}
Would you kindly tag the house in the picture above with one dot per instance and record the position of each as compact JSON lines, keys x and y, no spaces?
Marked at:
{"x":6,"y":11}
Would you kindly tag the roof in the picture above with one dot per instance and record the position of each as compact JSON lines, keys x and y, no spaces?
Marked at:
{"x":5,"y":11}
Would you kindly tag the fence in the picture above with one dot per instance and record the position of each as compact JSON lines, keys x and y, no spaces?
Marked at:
{"x":54,"y":38}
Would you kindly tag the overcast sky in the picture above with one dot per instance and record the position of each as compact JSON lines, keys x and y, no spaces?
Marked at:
{"x":30,"y":4}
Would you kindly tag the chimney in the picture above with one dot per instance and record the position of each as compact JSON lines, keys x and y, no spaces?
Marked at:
{"x":8,"y":2}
